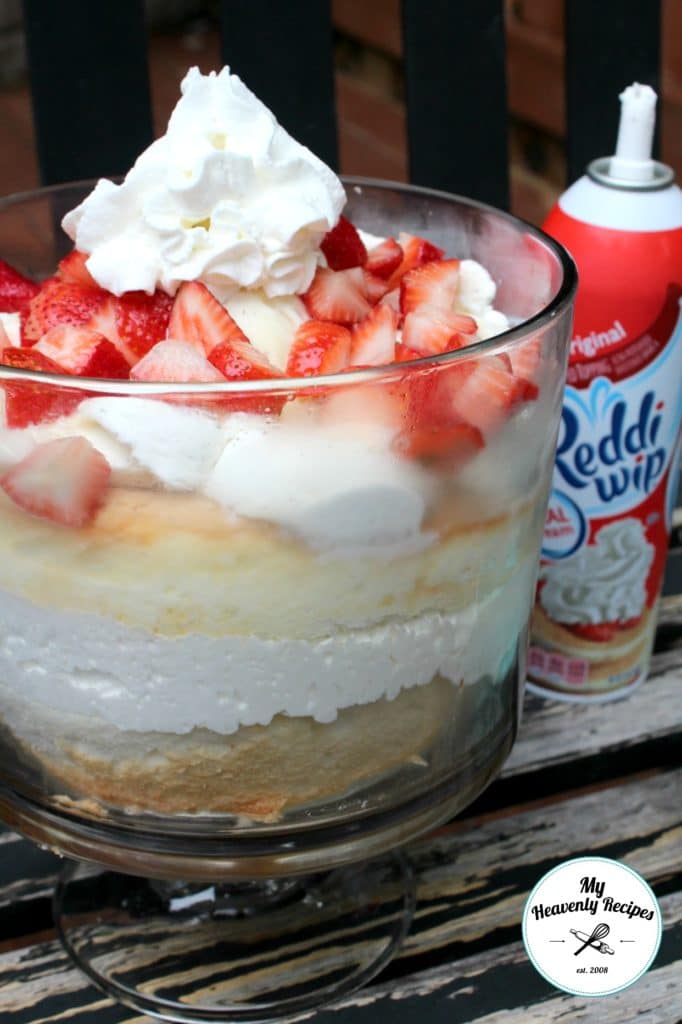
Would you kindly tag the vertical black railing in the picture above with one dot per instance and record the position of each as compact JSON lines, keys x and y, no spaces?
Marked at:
{"x":284,"y":53}
{"x":90,"y":86}
{"x":609,"y":45}
{"x":456,"y":96}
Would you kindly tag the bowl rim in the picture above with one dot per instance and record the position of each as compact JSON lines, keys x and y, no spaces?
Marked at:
{"x":551,"y":311}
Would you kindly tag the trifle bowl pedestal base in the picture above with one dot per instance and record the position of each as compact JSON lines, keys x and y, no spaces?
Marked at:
{"x":256,"y":951}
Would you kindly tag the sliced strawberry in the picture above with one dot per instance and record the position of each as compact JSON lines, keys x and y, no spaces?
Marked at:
{"x":338,"y":296}
{"x":375,"y":287}
{"x":16,"y":291}
{"x":454,"y":443}
{"x":373,"y":339}
{"x":28,"y":402}
{"x":484,"y":391}
{"x":59,"y":302}
{"x":403,"y":353}
{"x":63,"y":480}
{"x":199,"y":319}
{"x":602,"y":632}
{"x":343,"y":247}
{"x":141,"y":321}
{"x":392,"y":299}
{"x":176,"y":362}
{"x":319,"y":347}
{"x":384,"y":258}
{"x":72,"y":269}
{"x":432,"y":283}
{"x":83,"y":352}
{"x":238,"y":359}
{"x":525,"y":358}
{"x":416,"y":251}
{"x":430,"y":330}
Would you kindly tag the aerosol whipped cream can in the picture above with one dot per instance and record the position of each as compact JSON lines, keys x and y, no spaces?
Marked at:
{"x":618,"y":453}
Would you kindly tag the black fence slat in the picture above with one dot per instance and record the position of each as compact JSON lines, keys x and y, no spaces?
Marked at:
{"x":284,"y":53}
{"x":609,"y":45}
{"x":456,"y":97}
{"x":90,"y":86}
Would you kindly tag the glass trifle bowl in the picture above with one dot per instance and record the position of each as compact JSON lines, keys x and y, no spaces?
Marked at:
{"x":292,"y":638}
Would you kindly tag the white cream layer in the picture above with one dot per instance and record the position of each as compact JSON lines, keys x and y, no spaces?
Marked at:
{"x":134,"y":680}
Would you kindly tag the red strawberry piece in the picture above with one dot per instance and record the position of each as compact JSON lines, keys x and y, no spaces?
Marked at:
{"x":484,"y":391}
{"x":525,"y":358}
{"x":141,"y":321}
{"x":72,"y":269}
{"x":454,"y":443}
{"x":319,"y":347}
{"x":375,"y":287}
{"x":338,"y":296}
{"x":403,"y":353}
{"x":83,"y":352}
{"x":384,"y":258}
{"x":63,"y":480}
{"x":239,"y":360}
{"x":598,"y":632}
{"x":430,"y":330}
{"x":343,"y":247}
{"x":16,"y":291}
{"x":59,"y":302}
{"x":373,"y":339}
{"x":176,"y":362}
{"x":28,"y":402}
{"x":199,"y":319}
{"x":4,"y":338}
{"x":392,"y":299}
{"x":432,"y":283}
{"x":416,"y":251}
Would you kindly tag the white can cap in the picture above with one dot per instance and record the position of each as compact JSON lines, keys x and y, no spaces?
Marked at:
{"x":632,"y":159}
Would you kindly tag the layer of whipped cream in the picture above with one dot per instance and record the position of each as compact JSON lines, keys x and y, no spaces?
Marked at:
{"x":336,"y":485}
{"x":86,"y":664}
{"x":605,"y":581}
{"x":225,"y":197}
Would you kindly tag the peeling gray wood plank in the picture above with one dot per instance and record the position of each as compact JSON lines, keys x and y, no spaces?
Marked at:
{"x":472,"y":883}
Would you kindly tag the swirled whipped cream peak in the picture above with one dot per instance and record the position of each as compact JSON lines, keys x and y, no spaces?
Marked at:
{"x":605,"y":581}
{"x":226,"y":197}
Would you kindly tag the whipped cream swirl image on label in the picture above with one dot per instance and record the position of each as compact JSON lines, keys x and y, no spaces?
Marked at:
{"x":226,"y":196}
{"x":604,"y":581}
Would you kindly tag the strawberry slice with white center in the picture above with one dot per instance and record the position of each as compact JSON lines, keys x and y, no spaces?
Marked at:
{"x":375,"y":287}
{"x":484,"y":392}
{"x":319,"y":347}
{"x":199,"y":319}
{"x":338,"y":296}
{"x":343,"y":247}
{"x":392,"y":299}
{"x":72,"y":269}
{"x":64,"y":481}
{"x":416,"y":251}
{"x":176,"y":362}
{"x":238,"y":359}
{"x":59,"y":302}
{"x":433,"y":283}
{"x":83,"y":352}
{"x":16,"y":291}
{"x":430,"y":330}
{"x":28,"y":402}
{"x":373,"y":339}
{"x":384,"y":258}
{"x":525,"y":359}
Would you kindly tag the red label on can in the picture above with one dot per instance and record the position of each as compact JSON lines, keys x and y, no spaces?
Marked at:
{"x":615,"y":476}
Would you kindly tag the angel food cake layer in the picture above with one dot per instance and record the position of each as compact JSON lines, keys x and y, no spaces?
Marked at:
{"x":254,"y":600}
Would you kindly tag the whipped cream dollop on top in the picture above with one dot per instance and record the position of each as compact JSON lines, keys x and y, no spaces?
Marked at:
{"x":226,"y":196}
{"x":604,"y":581}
